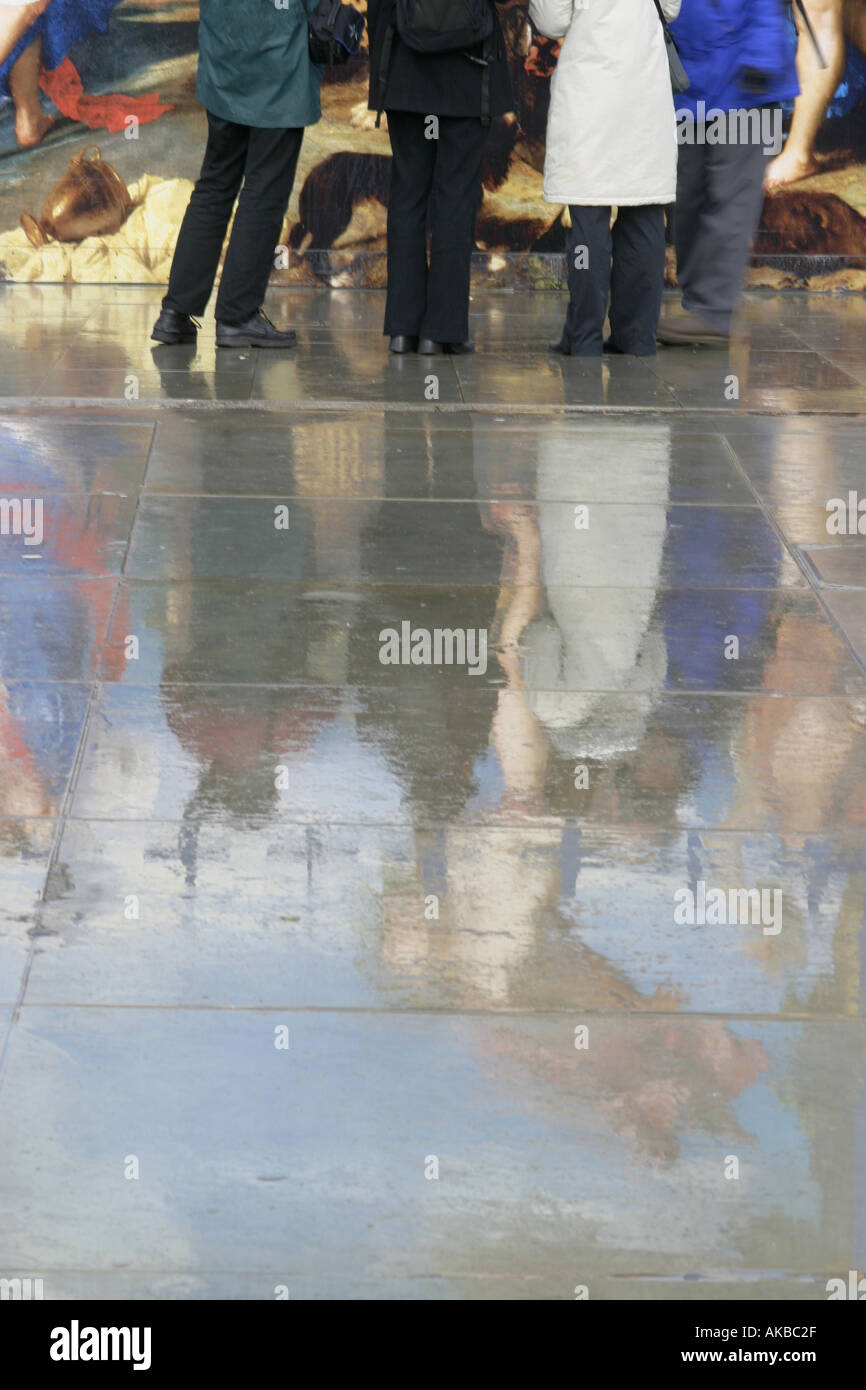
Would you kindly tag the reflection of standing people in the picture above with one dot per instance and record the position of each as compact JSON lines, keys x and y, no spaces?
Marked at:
{"x":260,"y":90}
{"x":611,"y":142}
{"x":740,"y":62}
{"x":595,"y":635}
{"x":439,"y":106}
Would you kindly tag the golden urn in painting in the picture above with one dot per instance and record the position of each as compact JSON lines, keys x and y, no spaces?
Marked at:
{"x":90,"y":200}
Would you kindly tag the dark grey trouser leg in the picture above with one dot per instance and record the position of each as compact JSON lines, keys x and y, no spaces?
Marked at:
{"x":637,"y":279}
{"x":719,"y":201}
{"x":588,"y":250}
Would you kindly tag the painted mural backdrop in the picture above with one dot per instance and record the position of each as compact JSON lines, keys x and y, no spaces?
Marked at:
{"x":111,"y":82}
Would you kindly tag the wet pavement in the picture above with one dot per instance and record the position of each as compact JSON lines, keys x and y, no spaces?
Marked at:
{"x":433,"y":808}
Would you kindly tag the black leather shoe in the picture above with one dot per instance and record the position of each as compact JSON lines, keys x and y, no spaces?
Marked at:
{"x":403,"y":342}
{"x":258,"y":332}
{"x":174,"y":327}
{"x":428,"y":347}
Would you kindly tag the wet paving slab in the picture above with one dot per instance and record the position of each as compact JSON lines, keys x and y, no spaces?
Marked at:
{"x":436,"y":750}
{"x":123,"y":383}
{"x":347,"y":374}
{"x":227,"y":631}
{"x":538,"y":918}
{"x":119,"y":1285}
{"x":55,"y":627}
{"x":65,"y":534}
{"x":417,"y":542}
{"x":435,"y":1288}
{"x":416,"y":978}
{"x":25,"y":855}
{"x":24,"y":379}
{"x":48,"y":456}
{"x":98,"y":352}
{"x":443,"y":456}
{"x":557,"y":380}
{"x":770,"y":379}
{"x":809,"y":478}
{"x":848,"y":360}
{"x":849,"y":611}
{"x":41,"y":723}
{"x":458,"y":1162}
{"x":841,"y":566}
{"x":108,"y":357}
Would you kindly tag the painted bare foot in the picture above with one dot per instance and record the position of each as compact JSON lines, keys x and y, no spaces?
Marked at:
{"x":789,"y":167}
{"x":31,"y":127}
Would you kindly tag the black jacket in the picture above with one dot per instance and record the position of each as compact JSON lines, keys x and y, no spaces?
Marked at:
{"x":434,"y":84}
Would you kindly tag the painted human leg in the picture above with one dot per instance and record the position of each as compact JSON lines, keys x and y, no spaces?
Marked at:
{"x":31,"y":122}
{"x":817,"y":85}
{"x":15,"y":20}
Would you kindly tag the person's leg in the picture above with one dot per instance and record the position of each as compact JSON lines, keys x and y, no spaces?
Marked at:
{"x":269,"y":173}
{"x":456,"y":200}
{"x":203,"y":229}
{"x":31,"y":122}
{"x":637,"y":278}
{"x":730,"y":219}
{"x":689,"y":212}
{"x":412,"y":164}
{"x":817,"y":85}
{"x":588,"y":245}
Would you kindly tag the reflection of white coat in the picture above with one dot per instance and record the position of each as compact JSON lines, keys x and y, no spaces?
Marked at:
{"x":601,"y":588}
{"x":611,"y":132}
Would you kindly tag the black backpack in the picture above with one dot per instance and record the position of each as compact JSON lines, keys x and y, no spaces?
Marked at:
{"x":335,"y":33}
{"x":441,"y":26}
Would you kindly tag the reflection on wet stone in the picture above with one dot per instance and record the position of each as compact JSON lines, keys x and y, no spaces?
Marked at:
{"x":471,"y":743}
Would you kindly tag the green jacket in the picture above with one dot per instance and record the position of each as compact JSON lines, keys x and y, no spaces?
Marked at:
{"x":254,"y":63}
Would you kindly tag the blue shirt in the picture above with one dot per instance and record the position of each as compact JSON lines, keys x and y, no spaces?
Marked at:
{"x":718,"y":39}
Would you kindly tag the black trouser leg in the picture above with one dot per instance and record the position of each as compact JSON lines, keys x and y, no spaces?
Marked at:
{"x":412,"y":166}
{"x":637,"y":278}
{"x":456,"y":199}
{"x":203,"y":230}
{"x":588,"y":246}
{"x":725,"y":183}
{"x":269,"y":172}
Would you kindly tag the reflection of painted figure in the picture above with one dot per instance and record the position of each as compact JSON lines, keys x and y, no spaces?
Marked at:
{"x":39,"y":716}
{"x":833,"y":22}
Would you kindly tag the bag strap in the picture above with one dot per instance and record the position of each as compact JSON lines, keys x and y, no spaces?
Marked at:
{"x":661,"y":15}
{"x":798,"y":5}
{"x":490,"y":57}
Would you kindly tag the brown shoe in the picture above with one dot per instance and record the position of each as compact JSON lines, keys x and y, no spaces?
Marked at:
{"x":689,"y":328}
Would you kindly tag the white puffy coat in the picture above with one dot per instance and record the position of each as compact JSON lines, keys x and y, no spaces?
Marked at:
{"x":611,"y":131}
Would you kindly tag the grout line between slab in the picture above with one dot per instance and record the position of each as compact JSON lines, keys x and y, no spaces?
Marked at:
{"x":197,"y":404}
